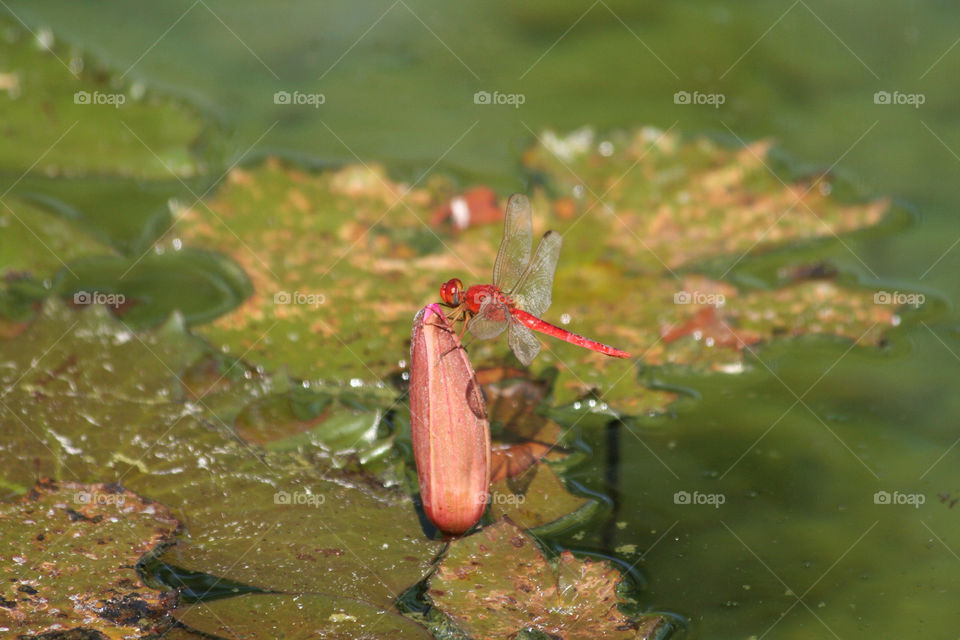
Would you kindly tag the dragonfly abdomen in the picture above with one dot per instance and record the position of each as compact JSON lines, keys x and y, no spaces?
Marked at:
{"x":542,"y":326}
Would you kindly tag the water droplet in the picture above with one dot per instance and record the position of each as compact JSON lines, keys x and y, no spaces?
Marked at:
{"x":356,"y":382}
{"x":606,"y":148}
{"x":138,"y":90}
{"x":45,"y":38}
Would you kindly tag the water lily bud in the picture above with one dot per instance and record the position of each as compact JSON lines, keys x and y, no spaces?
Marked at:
{"x":448,"y":422}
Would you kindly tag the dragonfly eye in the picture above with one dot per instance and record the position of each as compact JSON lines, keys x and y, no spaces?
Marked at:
{"x":451,"y":292}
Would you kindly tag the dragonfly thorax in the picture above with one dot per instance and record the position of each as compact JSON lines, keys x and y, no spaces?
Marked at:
{"x":481,"y":293}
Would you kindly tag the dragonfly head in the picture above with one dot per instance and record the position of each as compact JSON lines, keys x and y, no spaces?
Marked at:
{"x":451,"y":292}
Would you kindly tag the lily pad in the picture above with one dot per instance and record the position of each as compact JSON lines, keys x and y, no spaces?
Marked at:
{"x":305,"y":531}
{"x":38,"y":243}
{"x":538,"y":499}
{"x":84,"y":397}
{"x":128,"y":215}
{"x":201,"y":285}
{"x":93,"y":121}
{"x":67,"y":558}
{"x":341,"y":260}
{"x":331,"y":257}
{"x":297,"y":617}
{"x":497,"y":583}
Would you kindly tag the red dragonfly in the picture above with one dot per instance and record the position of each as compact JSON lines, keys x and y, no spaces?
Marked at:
{"x":520,"y":292}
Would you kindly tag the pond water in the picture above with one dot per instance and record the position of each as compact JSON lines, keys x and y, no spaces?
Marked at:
{"x":753,"y":507}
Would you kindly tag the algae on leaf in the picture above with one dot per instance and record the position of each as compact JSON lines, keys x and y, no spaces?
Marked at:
{"x":497,"y":583}
{"x":67,"y":560}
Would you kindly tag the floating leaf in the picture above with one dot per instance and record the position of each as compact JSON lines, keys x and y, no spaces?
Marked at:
{"x":297,"y":617}
{"x":201,"y":285}
{"x":67,"y":558}
{"x":329,"y":256}
{"x":327,"y":252}
{"x":497,"y":583}
{"x":299,"y":531}
{"x":90,"y":123}
{"x":87,"y":398}
{"x":538,"y":499}
{"x":37,"y":242}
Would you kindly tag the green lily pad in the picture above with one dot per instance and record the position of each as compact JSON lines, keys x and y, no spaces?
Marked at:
{"x":39,"y":243}
{"x":497,"y":583}
{"x":93,"y":121}
{"x":666,"y":202}
{"x":128,"y":215}
{"x":201,"y":285}
{"x":341,"y":260}
{"x":306,"y":531}
{"x":297,"y":617}
{"x":332,"y":258}
{"x":537,"y":499}
{"x":84,"y":397}
{"x":67,"y":558}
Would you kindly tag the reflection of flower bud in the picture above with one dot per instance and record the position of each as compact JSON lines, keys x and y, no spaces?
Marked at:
{"x":448,"y":422}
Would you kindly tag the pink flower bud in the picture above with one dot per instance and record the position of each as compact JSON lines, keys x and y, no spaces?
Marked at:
{"x":448,"y":422}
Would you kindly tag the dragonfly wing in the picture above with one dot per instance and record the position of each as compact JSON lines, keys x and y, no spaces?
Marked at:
{"x":523,"y":343}
{"x":490,"y":320}
{"x":514,"y":254}
{"x":533,"y":292}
